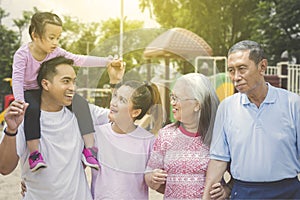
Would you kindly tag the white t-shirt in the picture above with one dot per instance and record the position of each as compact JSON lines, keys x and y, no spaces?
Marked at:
{"x":123,"y":159}
{"x":61,"y":145}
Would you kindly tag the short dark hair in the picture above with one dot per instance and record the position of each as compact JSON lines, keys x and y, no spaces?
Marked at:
{"x":48,"y":68}
{"x":256,"y":51}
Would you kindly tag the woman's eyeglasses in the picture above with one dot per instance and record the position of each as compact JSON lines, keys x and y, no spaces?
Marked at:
{"x":176,"y":99}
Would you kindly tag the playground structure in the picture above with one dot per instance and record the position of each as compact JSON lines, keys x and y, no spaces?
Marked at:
{"x":215,"y":68}
{"x":8,"y":98}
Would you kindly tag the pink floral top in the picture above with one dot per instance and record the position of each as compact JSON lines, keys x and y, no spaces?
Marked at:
{"x":185,"y":158}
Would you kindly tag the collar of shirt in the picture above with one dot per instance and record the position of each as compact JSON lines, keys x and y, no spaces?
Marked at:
{"x":270,"y":98}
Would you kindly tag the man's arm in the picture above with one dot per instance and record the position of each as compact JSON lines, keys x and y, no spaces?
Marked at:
{"x":214,"y":174}
{"x":8,"y":151}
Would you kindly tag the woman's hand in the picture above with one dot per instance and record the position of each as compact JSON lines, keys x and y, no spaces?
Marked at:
{"x":219,"y":191}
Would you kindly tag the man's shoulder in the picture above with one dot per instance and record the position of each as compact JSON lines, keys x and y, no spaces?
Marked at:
{"x":231,"y":99}
{"x":282,"y":93}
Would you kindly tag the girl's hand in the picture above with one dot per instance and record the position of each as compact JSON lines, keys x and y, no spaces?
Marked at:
{"x":116,"y":70}
{"x":156,"y":178}
{"x":23,"y":188}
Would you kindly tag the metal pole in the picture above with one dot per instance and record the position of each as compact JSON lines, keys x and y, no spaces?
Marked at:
{"x":121,"y":30}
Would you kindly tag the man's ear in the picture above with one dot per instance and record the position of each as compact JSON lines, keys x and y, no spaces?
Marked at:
{"x":263,"y":66}
{"x":136,"y":112}
{"x":45,"y":84}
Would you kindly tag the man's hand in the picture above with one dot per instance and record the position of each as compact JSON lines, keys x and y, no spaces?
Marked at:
{"x":116,"y":70}
{"x":14,"y":115}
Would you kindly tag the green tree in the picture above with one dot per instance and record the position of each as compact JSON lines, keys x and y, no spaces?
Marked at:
{"x":135,"y":40}
{"x":273,"y":23}
{"x":277,"y":26}
{"x":221,"y":23}
{"x":78,"y":37}
{"x":24,"y":22}
{"x":9,"y":44}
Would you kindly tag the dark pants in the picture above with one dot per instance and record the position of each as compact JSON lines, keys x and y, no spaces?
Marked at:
{"x":283,"y":189}
{"x":32,"y":126}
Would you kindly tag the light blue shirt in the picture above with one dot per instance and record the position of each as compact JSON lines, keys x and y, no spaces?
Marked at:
{"x":262,"y":144}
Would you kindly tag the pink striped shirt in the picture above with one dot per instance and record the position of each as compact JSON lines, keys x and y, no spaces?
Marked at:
{"x":26,"y":68}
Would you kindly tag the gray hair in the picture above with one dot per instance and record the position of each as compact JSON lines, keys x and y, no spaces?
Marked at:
{"x":203,"y":91}
{"x":256,"y":51}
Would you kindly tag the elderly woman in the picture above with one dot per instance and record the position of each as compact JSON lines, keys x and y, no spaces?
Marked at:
{"x":180,"y":155}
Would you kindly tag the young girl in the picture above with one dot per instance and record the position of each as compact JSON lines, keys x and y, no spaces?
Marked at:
{"x":124,"y":147}
{"x":45,"y":30}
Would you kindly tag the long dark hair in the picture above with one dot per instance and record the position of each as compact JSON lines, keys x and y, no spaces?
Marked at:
{"x":147,"y":98}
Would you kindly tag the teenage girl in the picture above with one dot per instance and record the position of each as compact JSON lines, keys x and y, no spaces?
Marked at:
{"x":124,"y":147}
{"x":45,"y":30}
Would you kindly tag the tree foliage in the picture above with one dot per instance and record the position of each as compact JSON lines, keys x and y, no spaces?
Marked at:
{"x":222,"y":23}
{"x":277,"y":26}
{"x":9,"y":44}
{"x":135,"y":39}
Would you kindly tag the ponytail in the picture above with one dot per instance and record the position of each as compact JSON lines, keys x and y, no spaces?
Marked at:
{"x":156,"y":110}
{"x":147,"y":98}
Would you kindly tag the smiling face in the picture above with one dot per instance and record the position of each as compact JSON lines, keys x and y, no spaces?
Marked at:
{"x":121,"y":108}
{"x":50,"y":38}
{"x":59,"y":91}
{"x":246,"y":76}
{"x":185,"y":106}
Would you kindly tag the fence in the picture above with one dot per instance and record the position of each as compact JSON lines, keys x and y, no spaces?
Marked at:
{"x":289,"y":75}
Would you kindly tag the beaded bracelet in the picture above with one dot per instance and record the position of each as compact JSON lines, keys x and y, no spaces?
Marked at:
{"x":10,"y":134}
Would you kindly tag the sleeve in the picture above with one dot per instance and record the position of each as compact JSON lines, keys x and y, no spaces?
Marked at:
{"x":99,"y":114}
{"x":157,"y":155}
{"x":219,"y":149}
{"x":18,"y":75}
{"x":86,"y":60}
{"x":297,"y":124}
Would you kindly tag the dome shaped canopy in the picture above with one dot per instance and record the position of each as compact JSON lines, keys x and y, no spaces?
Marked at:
{"x":178,"y":42}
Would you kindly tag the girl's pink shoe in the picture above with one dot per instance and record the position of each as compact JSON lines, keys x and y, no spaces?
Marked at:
{"x":89,"y":157}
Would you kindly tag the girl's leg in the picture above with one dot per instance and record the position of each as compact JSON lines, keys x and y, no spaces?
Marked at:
{"x":89,"y":140}
{"x":82,"y":112}
{"x":32,"y":129}
{"x":33,"y":145}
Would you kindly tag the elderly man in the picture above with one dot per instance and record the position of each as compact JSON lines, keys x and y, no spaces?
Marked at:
{"x":257,"y":131}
